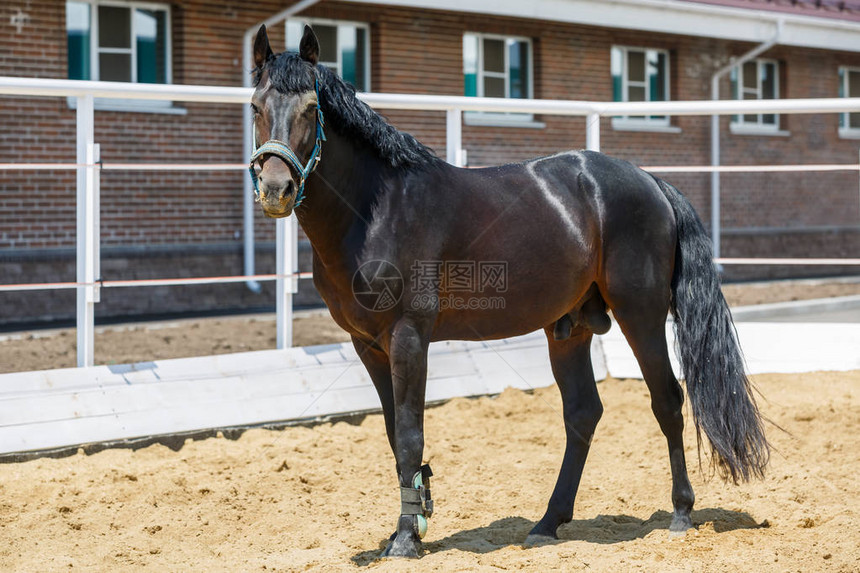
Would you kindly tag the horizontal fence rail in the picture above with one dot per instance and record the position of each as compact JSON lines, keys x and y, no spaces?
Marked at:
{"x":126,"y":166}
{"x":154,"y":282}
{"x":785,"y":261}
{"x":239,"y":95}
{"x":88,"y":167}
{"x":243,"y":167}
{"x":751,"y":168}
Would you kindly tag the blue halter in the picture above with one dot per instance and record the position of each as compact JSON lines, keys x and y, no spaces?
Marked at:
{"x":282,"y":150}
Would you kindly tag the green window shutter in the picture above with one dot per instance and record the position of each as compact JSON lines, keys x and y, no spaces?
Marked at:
{"x":519,"y":70}
{"x":346,"y":36}
{"x":470,"y":85}
{"x":78,"y":40}
{"x":360,"y":63}
{"x":151,"y":43}
{"x":470,"y":65}
{"x":616,"y":69}
{"x":657,"y":68}
{"x":616,"y":89}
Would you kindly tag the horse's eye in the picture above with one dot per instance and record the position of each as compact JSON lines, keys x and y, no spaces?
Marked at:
{"x":255,"y":110}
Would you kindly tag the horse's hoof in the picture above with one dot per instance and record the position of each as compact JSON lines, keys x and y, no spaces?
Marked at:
{"x":403,"y":545}
{"x":680,"y":525}
{"x":537,"y":539}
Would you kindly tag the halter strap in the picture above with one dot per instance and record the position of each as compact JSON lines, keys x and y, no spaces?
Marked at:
{"x":282,"y":150}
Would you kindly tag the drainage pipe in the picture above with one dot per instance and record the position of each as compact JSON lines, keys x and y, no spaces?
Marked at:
{"x":715,"y":131}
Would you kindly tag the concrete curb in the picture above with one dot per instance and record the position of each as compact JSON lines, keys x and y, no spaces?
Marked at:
{"x":794,"y":308}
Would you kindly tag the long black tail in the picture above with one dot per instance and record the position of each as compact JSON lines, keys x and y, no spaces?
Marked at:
{"x":720,"y":393}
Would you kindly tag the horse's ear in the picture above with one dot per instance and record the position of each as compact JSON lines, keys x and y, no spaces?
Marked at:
{"x":262,"y":49}
{"x":309,"y":47}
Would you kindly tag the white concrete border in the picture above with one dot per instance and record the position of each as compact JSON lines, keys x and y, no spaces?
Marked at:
{"x":795,"y":308}
{"x":62,"y":408}
{"x":58,"y":408}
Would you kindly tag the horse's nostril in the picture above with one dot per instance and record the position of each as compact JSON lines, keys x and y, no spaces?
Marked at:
{"x":288,"y":189}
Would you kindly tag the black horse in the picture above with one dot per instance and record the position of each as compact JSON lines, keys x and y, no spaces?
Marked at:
{"x":559,"y":240}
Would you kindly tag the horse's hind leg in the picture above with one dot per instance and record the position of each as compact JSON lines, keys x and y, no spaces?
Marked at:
{"x":644,"y":326}
{"x":571,"y":366}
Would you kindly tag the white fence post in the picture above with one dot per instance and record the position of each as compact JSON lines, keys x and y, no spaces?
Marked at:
{"x":87,"y":231}
{"x":454,"y":137}
{"x":715,"y":185}
{"x":95,"y":248}
{"x":286,"y":263}
{"x":592,"y":132}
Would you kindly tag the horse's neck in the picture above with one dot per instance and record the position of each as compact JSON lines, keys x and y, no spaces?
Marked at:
{"x":337,"y":201}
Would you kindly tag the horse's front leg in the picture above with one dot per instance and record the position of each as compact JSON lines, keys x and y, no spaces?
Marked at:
{"x":408,"y":358}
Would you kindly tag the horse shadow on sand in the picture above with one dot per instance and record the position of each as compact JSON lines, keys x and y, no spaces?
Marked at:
{"x":604,"y":529}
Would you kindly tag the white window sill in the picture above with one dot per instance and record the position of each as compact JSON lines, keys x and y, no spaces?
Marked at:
{"x":849,"y":133}
{"x":132,"y":105}
{"x":501,"y":121}
{"x":741,"y":129}
{"x":633,"y":125}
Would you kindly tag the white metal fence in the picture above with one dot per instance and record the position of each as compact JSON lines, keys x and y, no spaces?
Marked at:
{"x":88,"y":167}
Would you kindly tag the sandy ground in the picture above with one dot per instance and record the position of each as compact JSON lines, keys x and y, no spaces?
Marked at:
{"x":40,"y":350}
{"x":323,"y":498}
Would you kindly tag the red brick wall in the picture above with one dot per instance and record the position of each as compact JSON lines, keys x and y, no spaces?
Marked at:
{"x":412,"y":52}
{"x":137,"y":208}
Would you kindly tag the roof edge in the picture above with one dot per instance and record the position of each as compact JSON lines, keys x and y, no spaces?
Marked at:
{"x":687,"y":18}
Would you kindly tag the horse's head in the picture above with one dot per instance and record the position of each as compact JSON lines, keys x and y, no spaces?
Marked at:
{"x":287,"y":122}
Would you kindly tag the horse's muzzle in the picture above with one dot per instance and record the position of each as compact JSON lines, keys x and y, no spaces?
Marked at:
{"x":278,"y":200}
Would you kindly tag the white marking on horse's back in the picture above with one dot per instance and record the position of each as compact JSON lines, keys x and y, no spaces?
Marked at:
{"x":553,"y":200}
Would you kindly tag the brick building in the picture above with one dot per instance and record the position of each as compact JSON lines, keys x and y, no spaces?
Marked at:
{"x":157,"y":225}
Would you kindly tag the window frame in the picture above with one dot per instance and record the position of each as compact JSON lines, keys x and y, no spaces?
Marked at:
{"x":845,"y":129}
{"x":643,"y":123}
{"x":494,"y":118}
{"x":738,"y":123}
{"x":114,"y":104}
{"x":330,"y":22}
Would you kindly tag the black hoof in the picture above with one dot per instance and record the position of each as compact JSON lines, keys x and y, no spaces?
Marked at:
{"x":680,"y":524}
{"x":541,"y":534}
{"x":403,"y":545}
{"x":405,"y":541}
{"x":536,"y":539}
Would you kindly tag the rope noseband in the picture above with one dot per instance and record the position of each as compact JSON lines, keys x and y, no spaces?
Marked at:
{"x":282,"y":150}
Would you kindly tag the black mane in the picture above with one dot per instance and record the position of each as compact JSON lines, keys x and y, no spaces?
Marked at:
{"x":345,"y":113}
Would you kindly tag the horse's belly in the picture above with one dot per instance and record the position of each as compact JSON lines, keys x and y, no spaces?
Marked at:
{"x":521,"y":282}
{"x":500,"y":313}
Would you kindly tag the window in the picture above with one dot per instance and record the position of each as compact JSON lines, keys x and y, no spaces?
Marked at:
{"x":849,"y":86}
{"x":120,"y":42}
{"x":757,"y":79}
{"x":640,"y":74}
{"x":344,"y":48}
{"x":497,"y":66}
